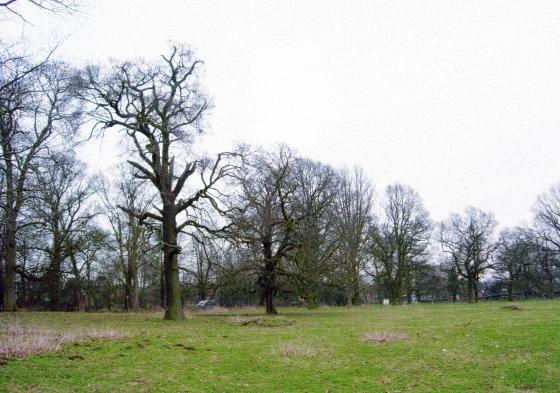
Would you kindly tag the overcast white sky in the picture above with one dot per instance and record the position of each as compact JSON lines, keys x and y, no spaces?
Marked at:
{"x":459,"y":99}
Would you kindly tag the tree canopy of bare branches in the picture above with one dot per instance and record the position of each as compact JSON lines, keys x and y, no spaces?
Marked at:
{"x":37,"y":109}
{"x":161,"y":106}
{"x":400,"y":241}
{"x":467,"y":239}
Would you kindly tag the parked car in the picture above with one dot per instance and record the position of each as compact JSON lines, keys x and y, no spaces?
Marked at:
{"x":205,"y":304}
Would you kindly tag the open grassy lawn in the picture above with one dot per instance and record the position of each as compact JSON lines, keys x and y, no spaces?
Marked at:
{"x":420,"y":348}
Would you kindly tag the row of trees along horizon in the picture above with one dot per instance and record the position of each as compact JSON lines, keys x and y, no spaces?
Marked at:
{"x":250,"y":226}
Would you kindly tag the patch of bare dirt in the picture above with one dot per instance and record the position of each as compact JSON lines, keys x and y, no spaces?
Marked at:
{"x":512,"y":307}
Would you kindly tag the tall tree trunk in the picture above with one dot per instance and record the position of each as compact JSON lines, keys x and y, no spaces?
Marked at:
{"x":2,"y":277}
{"x":349,"y":288}
{"x":379,"y":289}
{"x":395,"y":296}
{"x":162,"y":287}
{"x":10,"y":229}
{"x":408,"y":283}
{"x":132,"y":264}
{"x":353,"y":284}
{"x":25,"y":292}
{"x":53,"y":282}
{"x":53,"y":277}
{"x":173,"y":302}
{"x":398,"y":285}
{"x":269,"y":279}
{"x":311,"y":299}
{"x":475,"y":289}
{"x":270,"y":288}
{"x":88,"y":296}
{"x":470,"y":288}
{"x":9,"y":273}
{"x":356,"y":299}
{"x":127,"y":285}
{"x":79,"y":294}
{"x":131,"y":293}
{"x":134,"y":290}
{"x":269,"y":282}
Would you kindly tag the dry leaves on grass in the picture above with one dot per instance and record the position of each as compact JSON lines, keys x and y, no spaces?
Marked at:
{"x":289,"y":350}
{"x":22,"y":341}
{"x":380,"y":338}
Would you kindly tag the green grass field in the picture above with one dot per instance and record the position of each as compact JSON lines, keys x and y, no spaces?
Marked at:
{"x":446,"y":348}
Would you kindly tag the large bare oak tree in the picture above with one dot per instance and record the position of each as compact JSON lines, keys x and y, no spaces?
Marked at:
{"x":161,"y":107}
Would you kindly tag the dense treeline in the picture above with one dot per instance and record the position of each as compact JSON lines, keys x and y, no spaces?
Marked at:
{"x":249,"y":226}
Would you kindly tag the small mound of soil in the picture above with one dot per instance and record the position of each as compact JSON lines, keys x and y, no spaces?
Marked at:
{"x":187,"y":347}
{"x":260,"y":321}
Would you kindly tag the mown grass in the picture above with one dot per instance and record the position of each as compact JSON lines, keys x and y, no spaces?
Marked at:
{"x":447,"y":348}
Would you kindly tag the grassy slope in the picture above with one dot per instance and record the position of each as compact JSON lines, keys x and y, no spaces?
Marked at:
{"x":451,"y":348}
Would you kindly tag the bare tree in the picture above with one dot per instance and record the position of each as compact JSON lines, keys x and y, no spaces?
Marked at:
{"x":315,"y":235}
{"x":161,"y":107}
{"x":15,"y":7}
{"x":60,"y":205}
{"x":206,"y":259}
{"x":268,"y":218}
{"x":2,"y":228}
{"x":513,"y":258}
{"x":547,"y":228}
{"x":128,"y":200}
{"x":36,"y":106}
{"x":467,"y":240}
{"x":400,"y":242}
{"x":454,"y":281}
{"x":547,"y":216}
{"x":210,"y":267}
{"x":546,"y":266}
{"x":353,"y":215}
{"x":86,"y":248}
